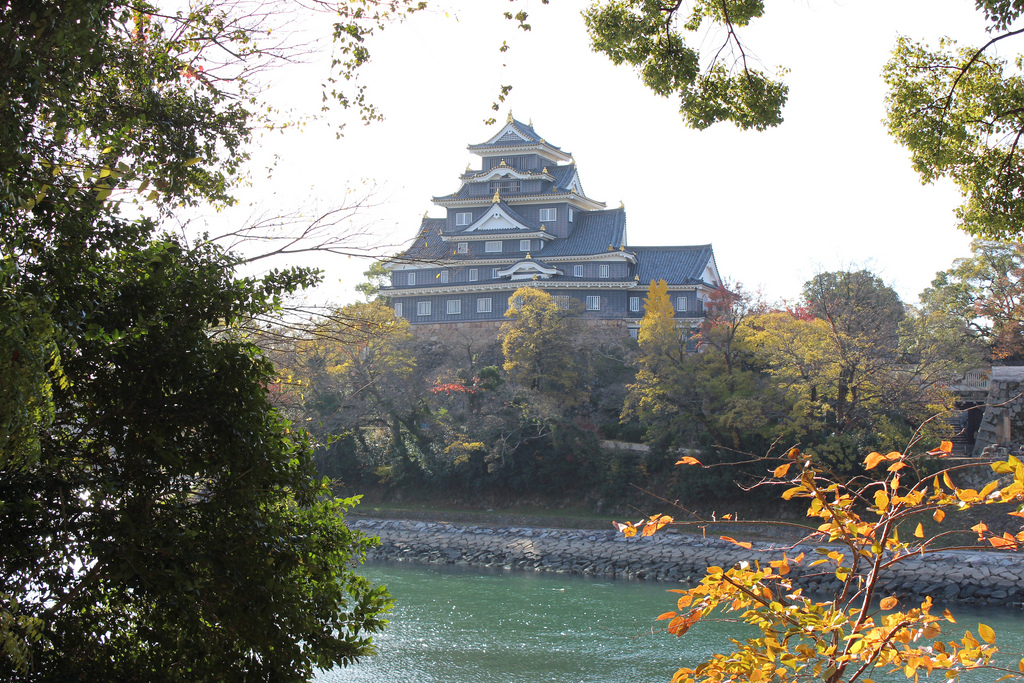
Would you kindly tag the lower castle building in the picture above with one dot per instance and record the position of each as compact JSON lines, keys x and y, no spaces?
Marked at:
{"x":522,"y":219}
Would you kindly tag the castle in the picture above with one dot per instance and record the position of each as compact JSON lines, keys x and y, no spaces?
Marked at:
{"x":522,"y":219}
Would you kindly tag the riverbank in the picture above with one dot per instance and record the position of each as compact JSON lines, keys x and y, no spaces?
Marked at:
{"x":950,"y":576}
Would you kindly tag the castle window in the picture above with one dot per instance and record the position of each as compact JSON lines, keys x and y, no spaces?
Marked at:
{"x":593,"y":303}
{"x":454,"y":306}
{"x":463,"y":218}
{"x":634,"y":304}
{"x":570,"y":214}
{"x":548,"y":215}
{"x":492,"y":246}
{"x":483,"y":305}
{"x":411,"y":279}
{"x":398,"y":309}
{"x":563,"y":302}
{"x":462,"y":247}
{"x":681,"y":304}
{"x":422,"y":308}
{"x":634,"y":332}
{"x":473,"y":274}
{"x":577,"y":271}
{"x":505,"y":186}
{"x":604,"y":270}
{"x":494,"y":273}
{"x":443,"y":277}
{"x":524,"y":245}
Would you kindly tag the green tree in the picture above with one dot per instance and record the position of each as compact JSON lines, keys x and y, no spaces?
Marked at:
{"x":159,"y":520}
{"x":539,"y":342}
{"x":979,"y":300}
{"x":957,"y":109}
{"x":680,"y":393}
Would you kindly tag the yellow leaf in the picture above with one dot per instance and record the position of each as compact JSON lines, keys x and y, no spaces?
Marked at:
{"x":888,"y":603}
{"x":781,"y":470}
{"x":1020,"y":666}
{"x":986,"y":633}
{"x":881,"y":501}
{"x":938,"y":515}
{"x":688,"y":460}
{"x":742,"y":544}
{"x":919,"y":531}
{"x":793,"y":453}
{"x":789,"y":493}
{"x":872,"y":460}
{"x":949,"y":616}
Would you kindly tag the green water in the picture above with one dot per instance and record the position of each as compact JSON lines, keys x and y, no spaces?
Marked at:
{"x":454,"y":626}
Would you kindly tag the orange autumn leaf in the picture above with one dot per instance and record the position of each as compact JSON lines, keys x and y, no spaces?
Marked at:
{"x":986,"y":633}
{"x":938,"y":515}
{"x":688,"y":460}
{"x":666,"y":615}
{"x":742,"y":544}
{"x":919,"y":531}
{"x":781,"y":470}
{"x":946,"y":446}
{"x":888,"y":603}
{"x":896,"y":466}
{"x":872,"y":460}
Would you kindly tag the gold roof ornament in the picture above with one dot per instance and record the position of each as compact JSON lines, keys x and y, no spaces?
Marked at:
{"x":534,"y":277}
{"x":469,"y":167}
{"x":611,"y":248}
{"x":502,"y":163}
{"x":531,"y":122}
{"x":509,"y":120}
{"x":543,"y":228}
{"x":545,"y":169}
{"x":497,"y":197}
{"x":622,"y":204}
{"x":528,"y":256}
{"x":637,"y":278}
{"x":425,"y":215}
{"x":622,"y":247}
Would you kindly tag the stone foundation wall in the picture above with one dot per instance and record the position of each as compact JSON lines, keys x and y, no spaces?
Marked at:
{"x":953,"y":576}
{"x":1003,"y":421}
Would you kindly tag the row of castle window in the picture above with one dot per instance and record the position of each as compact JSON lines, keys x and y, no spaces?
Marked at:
{"x":464,"y":218}
{"x":603,"y":272}
{"x":483,"y":305}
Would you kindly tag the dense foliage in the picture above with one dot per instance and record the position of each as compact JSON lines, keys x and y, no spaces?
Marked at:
{"x":159,"y":519}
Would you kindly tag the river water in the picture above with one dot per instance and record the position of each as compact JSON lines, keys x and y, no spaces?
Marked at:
{"x":466,"y":626}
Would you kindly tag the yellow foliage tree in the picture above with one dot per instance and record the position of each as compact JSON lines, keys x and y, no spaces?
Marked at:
{"x":861,"y":630}
{"x":539,"y":342}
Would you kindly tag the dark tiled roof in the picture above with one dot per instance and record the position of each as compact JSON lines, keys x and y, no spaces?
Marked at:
{"x":593,"y":232}
{"x":675,"y":265}
{"x":528,"y":131}
{"x":512,"y":213}
{"x":563,"y":175}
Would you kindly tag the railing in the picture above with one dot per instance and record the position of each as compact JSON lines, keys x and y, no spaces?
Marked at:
{"x":973,"y":380}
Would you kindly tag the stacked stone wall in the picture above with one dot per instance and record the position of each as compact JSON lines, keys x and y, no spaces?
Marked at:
{"x":952,"y":576}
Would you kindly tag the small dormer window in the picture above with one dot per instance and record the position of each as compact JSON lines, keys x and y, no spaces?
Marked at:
{"x":548,"y":215}
{"x":443,"y":277}
{"x":524,"y":245}
{"x":604,"y":271}
{"x":577,"y":271}
{"x":463,"y":218}
{"x":462,"y":247}
{"x":681,"y":304}
{"x":634,"y":304}
{"x":410,"y":279}
{"x":494,"y":273}
{"x":570,"y":214}
{"x":473,"y":274}
{"x":492,"y":247}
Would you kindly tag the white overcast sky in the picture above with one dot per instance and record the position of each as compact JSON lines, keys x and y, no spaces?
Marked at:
{"x":826,"y":190}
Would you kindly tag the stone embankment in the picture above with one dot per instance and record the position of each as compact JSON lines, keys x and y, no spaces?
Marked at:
{"x":953,"y":576}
